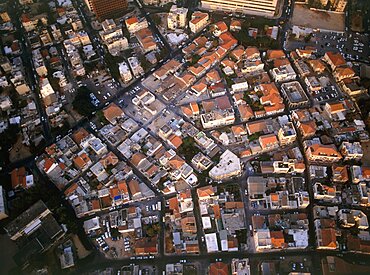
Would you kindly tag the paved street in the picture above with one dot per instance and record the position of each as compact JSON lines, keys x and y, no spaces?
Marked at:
{"x":354,"y":47}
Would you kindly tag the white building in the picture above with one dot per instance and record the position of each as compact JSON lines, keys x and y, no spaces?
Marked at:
{"x":125,"y":72}
{"x":211,"y":242}
{"x":92,"y":225}
{"x":228,"y":166}
{"x":240,"y":87}
{"x":283,"y":73}
{"x":135,"y":66}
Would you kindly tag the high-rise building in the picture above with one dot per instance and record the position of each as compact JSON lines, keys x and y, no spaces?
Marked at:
{"x":257,"y":7}
{"x":107,"y":9}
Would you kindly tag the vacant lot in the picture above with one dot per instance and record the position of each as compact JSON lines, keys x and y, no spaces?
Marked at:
{"x":366,"y":157}
{"x":315,"y":19}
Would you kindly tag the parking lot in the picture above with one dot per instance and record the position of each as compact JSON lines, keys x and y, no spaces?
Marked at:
{"x":102,"y":88}
{"x":353,"y":46}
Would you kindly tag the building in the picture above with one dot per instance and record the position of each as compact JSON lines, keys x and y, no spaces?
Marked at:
{"x":343,"y":73}
{"x":218,"y":112}
{"x":176,"y":18}
{"x":338,"y":5}
{"x":326,"y":238}
{"x":287,"y":134}
{"x":146,"y":40}
{"x":334,"y":60}
{"x":294,"y":94}
{"x":351,"y":151}
{"x":283,"y":73}
{"x":218,"y":268}
{"x":198,"y":21}
{"x":135,"y":66}
{"x":352,"y":87}
{"x":34,"y":231}
{"x":350,"y":218}
{"x":262,"y":239}
{"x":103,"y":11}
{"x":268,"y":142}
{"x":3,"y":207}
{"x":135,"y":24}
{"x":228,"y":166}
{"x":124,"y":72}
{"x":323,"y":153}
{"x":255,"y":7}
{"x":112,"y":36}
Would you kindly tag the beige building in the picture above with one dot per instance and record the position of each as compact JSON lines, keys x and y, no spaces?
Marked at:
{"x":323,"y":153}
{"x":256,"y":7}
{"x":176,"y":18}
{"x":339,"y":5}
{"x":125,"y":72}
{"x":287,"y":134}
{"x":198,"y":21}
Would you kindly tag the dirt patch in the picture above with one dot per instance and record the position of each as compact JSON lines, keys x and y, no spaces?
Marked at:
{"x":317,"y":19}
{"x":366,"y":151}
{"x":357,"y":23}
{"x":19,"y":151}
{"x":82,"y":252}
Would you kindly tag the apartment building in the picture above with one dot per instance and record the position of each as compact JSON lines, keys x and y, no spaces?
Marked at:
{"x":176,"y":18}
{"x":323,"y":153}
{"x":125,"y":72}
{"x":198,"y":21}
{"x":256,"y":7}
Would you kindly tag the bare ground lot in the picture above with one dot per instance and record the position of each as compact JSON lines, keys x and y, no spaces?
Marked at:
{"x":366,"y":157}
{"x":315,"y":19}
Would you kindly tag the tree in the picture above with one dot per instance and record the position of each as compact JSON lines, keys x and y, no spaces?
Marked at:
{"x":194,"y":59}
{"x":156,"y":19}
{"x":82,"y":102}
{"x":112,"y":64}
{"x":188,"y":148}
{"x":101,"y":117}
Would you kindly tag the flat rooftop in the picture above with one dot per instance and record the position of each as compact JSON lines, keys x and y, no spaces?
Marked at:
{"x":329,"y":21}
